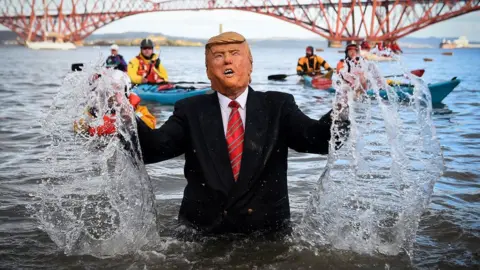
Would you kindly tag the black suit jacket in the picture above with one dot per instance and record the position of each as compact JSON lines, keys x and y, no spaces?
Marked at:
{"x":213,"y":201}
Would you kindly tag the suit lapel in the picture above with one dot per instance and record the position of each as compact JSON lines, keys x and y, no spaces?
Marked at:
{"x":212,"y":127}
{"x":256,"y":127}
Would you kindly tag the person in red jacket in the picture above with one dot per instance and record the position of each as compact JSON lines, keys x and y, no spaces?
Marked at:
{"x":395,"y":48}
{"x":365,"y":45}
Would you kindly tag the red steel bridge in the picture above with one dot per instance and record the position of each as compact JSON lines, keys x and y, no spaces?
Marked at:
{"x":335,"y":20}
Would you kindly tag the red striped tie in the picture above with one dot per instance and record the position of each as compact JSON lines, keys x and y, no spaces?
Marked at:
{"x":234,"y":138}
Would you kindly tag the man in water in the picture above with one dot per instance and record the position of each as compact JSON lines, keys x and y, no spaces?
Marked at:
{"x":312,"y":64}
{"x":116,"y":60}
{"x":236,"y":143}
{"x":146,"y":67}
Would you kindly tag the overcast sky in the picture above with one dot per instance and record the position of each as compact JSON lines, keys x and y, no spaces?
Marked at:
{"x":204,"y":24}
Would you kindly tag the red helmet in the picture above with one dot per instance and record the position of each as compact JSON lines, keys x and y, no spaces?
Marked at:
{"x":309,"y":49}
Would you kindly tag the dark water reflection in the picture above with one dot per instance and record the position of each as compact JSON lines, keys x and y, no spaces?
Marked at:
{"x":449,"y":233}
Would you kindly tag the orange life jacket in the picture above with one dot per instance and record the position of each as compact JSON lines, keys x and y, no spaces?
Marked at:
{"x":147,"y":70}
{"x":134,"y":99}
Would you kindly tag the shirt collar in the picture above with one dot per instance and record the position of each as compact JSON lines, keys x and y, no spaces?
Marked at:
{"x":242,"y":99}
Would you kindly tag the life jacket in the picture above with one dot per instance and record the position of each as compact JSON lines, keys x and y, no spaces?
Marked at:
{"x":134,"y":99}
{"x":113,"y":60}
{"x":348,"y":62}
{"x":107,"y":128}
{"x":311,"y":64}
{"x":117,"y":62}
{"x":147,"y":70}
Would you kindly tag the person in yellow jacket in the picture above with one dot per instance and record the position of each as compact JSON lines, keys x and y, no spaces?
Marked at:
{"x":312,"y":64}
{"x":146,"y":67}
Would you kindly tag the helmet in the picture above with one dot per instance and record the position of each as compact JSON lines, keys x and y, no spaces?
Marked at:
{"x":146,"y":43}
{"x":351,"y":46}
{"x":309,"y":48}
{"x":114,"y":47}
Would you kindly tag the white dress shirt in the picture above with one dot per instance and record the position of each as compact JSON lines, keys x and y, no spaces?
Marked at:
{"x":224,"y":101}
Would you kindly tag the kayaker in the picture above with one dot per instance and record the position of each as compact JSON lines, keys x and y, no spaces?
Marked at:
{"x":116,"y":60}
{"x":381,"y":50}
{"x":350,"y":68}
{"x":120,"y":84}
{"x":235,"y":142}
{"x":365,"y":45}
{"x":146,"y":67}
{"x":311,"y":64}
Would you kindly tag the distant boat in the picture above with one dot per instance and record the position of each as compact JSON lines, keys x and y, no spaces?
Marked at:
{"x":447,"y":44}
{"x":50,"y":45}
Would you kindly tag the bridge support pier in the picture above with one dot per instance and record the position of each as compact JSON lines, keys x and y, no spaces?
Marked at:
{"x":335,"y":44}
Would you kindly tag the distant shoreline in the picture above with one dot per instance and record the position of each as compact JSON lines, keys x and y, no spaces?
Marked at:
{"x":8,"y":38}
{"x":157,"y":40}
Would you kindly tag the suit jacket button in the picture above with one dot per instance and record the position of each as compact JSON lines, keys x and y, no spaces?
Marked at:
{"x":250,"y":211}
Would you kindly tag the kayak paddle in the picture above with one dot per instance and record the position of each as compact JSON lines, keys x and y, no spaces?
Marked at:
{"x":77,"y":66}
{"x":279,"y":77}
{"x":416,"y":72}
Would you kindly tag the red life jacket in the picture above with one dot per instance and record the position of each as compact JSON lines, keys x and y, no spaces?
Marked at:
{"x":107,"y":128}
{"x":147,"y":70}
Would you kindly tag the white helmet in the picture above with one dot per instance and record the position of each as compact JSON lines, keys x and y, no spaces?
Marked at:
{"x":114,"y":47}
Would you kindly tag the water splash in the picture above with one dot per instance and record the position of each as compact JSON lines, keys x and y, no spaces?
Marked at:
{"x":374,"y":189}
{"x":96,"y":198}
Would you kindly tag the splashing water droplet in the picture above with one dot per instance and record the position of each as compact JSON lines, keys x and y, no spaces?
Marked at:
{"x":96,"y":197}
{"x":375,"y":187}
